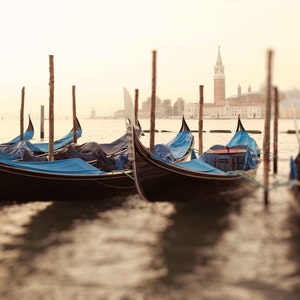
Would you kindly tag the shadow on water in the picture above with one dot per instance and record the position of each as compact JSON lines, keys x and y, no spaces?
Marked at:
{"x":228,"y":252}
{"x":186,"y":247}
{"x":293,"y":222}
{"x":44,"y":231}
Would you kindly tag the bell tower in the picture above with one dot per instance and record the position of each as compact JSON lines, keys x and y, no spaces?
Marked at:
{"x":219,"y":81}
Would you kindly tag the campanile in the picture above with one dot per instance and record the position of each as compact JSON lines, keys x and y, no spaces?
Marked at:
{"x":219,"y":81}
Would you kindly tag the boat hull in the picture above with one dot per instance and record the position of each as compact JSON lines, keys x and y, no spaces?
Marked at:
{"x":158,"y":181}
{"x":23,"y":185}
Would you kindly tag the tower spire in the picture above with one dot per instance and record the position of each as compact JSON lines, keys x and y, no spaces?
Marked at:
{"x":219,"y":67}
{"x":219,"y":81}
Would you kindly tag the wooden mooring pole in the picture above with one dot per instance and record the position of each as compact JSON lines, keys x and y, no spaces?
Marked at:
{"x":275,"y":131}
{"x":153,"y":103}
{"x":51,"y":108}
{"x":74,"y":114}
{"x":200,"y":122}
{"x":22,"y":114}
{"x":266,"y":141}
{"x":136,"y":106}
{"x":42,"y":123}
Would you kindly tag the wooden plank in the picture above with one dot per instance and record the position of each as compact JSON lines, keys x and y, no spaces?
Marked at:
{"x":223,"y":151}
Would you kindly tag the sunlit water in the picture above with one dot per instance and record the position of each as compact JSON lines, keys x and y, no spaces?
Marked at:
{"x":127,"y":248}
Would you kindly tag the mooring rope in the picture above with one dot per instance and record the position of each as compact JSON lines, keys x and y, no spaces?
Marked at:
{"x":127,"y":174}
{"x":258,"y":184}
{"x":247,"y":177}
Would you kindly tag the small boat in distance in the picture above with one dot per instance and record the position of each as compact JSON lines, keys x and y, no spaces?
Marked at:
{"x":222,"y":170}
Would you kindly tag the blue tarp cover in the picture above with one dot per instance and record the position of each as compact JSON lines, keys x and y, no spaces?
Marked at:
{"x":4,"y":155}
{"x":243,"y":138}
{"x":197,"y":165}
{"x":205,"y":163}
{"x":293,"y":169}
{"x":176,"y":148}
{"x":18,"y":149}
{"x":200,"y":166}
{"x":28,"y":135}
{"x":44,"y":147}
{"x":72,"y":166}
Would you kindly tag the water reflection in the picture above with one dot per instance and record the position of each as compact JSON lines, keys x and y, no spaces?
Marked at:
{"x":293,"y":222}
{"x":186,"y":249}
{"x":40,"y":232}
{"x":126,"y":248}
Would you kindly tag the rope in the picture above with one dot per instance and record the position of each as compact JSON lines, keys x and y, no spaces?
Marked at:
{"x":260,"y":185}
{"x":291,"y":182}
{"x":126,"y":173}
{"x":247,"y":177}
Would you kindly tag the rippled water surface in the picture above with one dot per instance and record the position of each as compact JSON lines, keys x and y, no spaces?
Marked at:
{"x":127,"y":248}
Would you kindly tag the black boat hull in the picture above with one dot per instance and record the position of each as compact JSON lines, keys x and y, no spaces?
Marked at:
{"x":23,"y":185}
{"x":158,"y":181}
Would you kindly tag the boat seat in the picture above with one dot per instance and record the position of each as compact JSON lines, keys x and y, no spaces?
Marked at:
{"x":230,"y":163}
{"x":224,"y":164}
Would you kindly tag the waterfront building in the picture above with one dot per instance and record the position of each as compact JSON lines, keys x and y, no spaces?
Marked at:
{"x":248,"y":105}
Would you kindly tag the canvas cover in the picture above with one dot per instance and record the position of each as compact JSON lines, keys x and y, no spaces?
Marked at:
{"x":119,"y":145}
{"x":176,"y":148}
{"x":26,"y":150}
{"x":206,"y":162}
{"x":93,"y":152}
{"x":245,"y":161}
{"x":65,"y":140}
{"x":73,"y":166}
{"x":243,"y":138}
{"x":28,"y":134}
{"x":197,"y":165}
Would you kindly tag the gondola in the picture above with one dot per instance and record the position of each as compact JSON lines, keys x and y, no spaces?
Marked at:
{"x":83,"y":175}
{"x":28,"y":134}
{"x":294,"y":175}
{"x":221,"y":173}
{"x":109,"y":156}
{"x":68,"y":179}
{"x":25,"y":150}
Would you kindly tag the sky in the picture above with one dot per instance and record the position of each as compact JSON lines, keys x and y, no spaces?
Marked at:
{"x":102,"y":46}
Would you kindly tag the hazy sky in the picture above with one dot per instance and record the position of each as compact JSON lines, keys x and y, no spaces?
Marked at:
{"x":101,"y":46}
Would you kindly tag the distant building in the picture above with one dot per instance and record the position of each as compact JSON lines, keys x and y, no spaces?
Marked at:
{"x":93,"y":113}
{"x":119,"y":113}
{"x":289,"y":104}
{"x":248,"y":105}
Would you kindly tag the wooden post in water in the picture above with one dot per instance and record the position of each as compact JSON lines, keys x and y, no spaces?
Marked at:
{"x":153,"y":102}
{"x":51,"y":108}
{"x":200,"y":125}
{"x":74,"y":114}
{"x":275,"y":139}
{"x":22,"y":114}
{"x":42,"y":134}
{"x":136,"y":106}
{"x":266,"y":141}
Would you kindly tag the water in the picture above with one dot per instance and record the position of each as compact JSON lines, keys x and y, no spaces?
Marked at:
{"x":127,"y":248}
